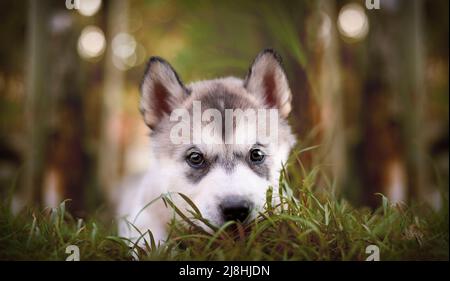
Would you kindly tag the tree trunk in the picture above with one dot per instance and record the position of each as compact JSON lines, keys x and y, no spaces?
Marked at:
{"x":326,"y":91}
{"x":36,"y":114}
{"x":392,"y":147}
{"x":110,"y":148}
{"x":65,"y":172}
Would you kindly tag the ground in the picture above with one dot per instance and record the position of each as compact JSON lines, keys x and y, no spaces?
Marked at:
{"x":310,"y":227}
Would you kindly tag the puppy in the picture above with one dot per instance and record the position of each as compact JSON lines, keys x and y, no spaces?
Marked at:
{"x":209,"y":142}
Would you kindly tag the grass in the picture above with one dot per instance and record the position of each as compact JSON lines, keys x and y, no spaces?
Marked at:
{"x":306,"y":225}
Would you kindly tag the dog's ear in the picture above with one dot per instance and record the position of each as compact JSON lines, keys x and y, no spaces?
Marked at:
{"x":161,"y":91}
{"x":267,"y":80}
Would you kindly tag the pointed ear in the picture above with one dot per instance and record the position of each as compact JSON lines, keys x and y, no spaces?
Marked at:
{"x":161,"y":91}
{"x":266,"y":80}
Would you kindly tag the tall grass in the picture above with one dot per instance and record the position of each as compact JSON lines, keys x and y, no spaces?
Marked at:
{"x":305,"y":225}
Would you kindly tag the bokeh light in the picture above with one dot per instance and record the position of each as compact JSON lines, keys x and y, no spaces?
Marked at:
{"x":325,"y":29}
{"x":123,"y":45}
{"x":353,"y":23}
{"x":126,"y":51}
{"x":89,"y":7}
{"x":91,"y":43}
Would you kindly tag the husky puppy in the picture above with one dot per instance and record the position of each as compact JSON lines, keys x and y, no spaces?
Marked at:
{"x":227,"y":179}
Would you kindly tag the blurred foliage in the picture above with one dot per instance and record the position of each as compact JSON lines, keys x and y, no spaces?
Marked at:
{"x":206,"y":39}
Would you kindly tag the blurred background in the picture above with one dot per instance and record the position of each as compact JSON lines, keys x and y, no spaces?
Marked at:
{"x":369,"y":81}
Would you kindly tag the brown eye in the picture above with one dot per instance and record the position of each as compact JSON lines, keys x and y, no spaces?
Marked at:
{"x":195,"y":160}
{"x":257,"y":156}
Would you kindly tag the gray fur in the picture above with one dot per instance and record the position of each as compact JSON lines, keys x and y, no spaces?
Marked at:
{"x":228,"y":173}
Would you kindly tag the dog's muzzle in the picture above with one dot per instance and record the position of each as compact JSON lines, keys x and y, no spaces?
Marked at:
{"x":235,"y":208}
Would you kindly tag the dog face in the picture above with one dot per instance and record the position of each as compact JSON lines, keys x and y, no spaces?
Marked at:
{"x":227,"y":170}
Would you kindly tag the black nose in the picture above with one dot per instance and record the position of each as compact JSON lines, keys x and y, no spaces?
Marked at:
{"x":235,"y":209}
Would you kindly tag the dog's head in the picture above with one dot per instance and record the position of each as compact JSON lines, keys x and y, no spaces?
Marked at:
{"x":224,"y":164}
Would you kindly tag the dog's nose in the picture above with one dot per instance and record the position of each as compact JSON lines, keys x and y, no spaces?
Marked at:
{"x":235,"y":209}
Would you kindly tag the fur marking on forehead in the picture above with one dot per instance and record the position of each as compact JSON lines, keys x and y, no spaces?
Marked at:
{"x":221,"y":94}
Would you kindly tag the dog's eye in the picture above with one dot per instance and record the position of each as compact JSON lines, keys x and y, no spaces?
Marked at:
{"x":195,"y":160}
{"x":257,"y":156}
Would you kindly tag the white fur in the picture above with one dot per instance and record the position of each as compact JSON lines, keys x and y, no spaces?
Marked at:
{"x":164,"y":177}
{"x":166,"y":174}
